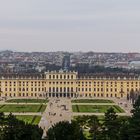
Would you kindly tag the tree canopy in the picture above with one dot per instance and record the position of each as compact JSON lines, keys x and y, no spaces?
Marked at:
{"x":14,"y":129}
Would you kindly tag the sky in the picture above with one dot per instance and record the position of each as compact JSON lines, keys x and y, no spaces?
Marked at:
{"x":70,"y":25}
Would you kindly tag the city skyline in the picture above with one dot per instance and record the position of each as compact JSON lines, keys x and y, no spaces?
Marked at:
{"x":65,"y":51}
{"x":76,"y":25}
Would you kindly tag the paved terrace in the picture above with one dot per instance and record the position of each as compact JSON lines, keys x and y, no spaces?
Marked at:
{"x":57,"y":110}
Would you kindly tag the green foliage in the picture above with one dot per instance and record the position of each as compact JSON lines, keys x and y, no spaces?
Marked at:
{"x":134,"y":126}
{"x":14,"y":129}
{"x":65,"y":131}
{"x":111,"y":125}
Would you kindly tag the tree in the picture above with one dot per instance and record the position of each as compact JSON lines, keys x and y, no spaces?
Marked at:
{"x":82,"y":120}
{"x":134,"y":126}
{"x":124,"y":121}
{"x":65,"y":131}
{"x":14,"y":129}
{"x":2,"y":124}
{"x":94,"y":125}
{"x":111,"y":125}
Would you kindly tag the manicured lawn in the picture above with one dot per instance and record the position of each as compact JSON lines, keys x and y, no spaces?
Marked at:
{"x":92,"y":101}
{"x":22,"y":108}
{"x":30,"y":119}
{"x":27,"y":101}
{"x":96,"y":108}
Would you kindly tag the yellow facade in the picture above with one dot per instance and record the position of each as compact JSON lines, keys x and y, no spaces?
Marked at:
{"x":67,"y":84}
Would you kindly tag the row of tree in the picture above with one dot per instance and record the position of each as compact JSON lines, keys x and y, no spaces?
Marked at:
{"x":14,"y":129}
{"x":112,"y":127}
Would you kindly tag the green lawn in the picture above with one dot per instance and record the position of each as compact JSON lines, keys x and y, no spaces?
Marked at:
{"x":92,"y":101}
{"x":27,"y":101}
{"x":96,"y":108}
{"x":22,"y":108}
{"x":30,"y":119}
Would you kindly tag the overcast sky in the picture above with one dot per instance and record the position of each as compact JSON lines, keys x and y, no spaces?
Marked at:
{"x":70,"y":25}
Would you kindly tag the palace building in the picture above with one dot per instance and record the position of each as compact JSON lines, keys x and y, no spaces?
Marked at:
{"x":68,"y":84}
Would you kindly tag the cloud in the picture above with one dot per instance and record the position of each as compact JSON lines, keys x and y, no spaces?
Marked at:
{"x":70,"y":24}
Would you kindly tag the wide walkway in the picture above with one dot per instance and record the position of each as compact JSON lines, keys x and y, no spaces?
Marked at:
{"x":57,"y":110}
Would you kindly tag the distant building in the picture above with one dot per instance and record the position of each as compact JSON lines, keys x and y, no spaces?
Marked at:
{"x":134,"y":64}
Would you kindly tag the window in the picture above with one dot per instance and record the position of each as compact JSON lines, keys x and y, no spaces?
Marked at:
{"x":60,"y":89}
{"x":49,"y":89}
{"x":56,"y":76}
{"x":49,"y":76}
{"x":64,"y":89}
{"x":53,"y":76}
{"x":53,"y":89}
{"x":68,"y":89}
{"x":57,"y":89}
{"x":101,"y":89}
{"x":71,"y":76}
{"x":71,"y":89}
